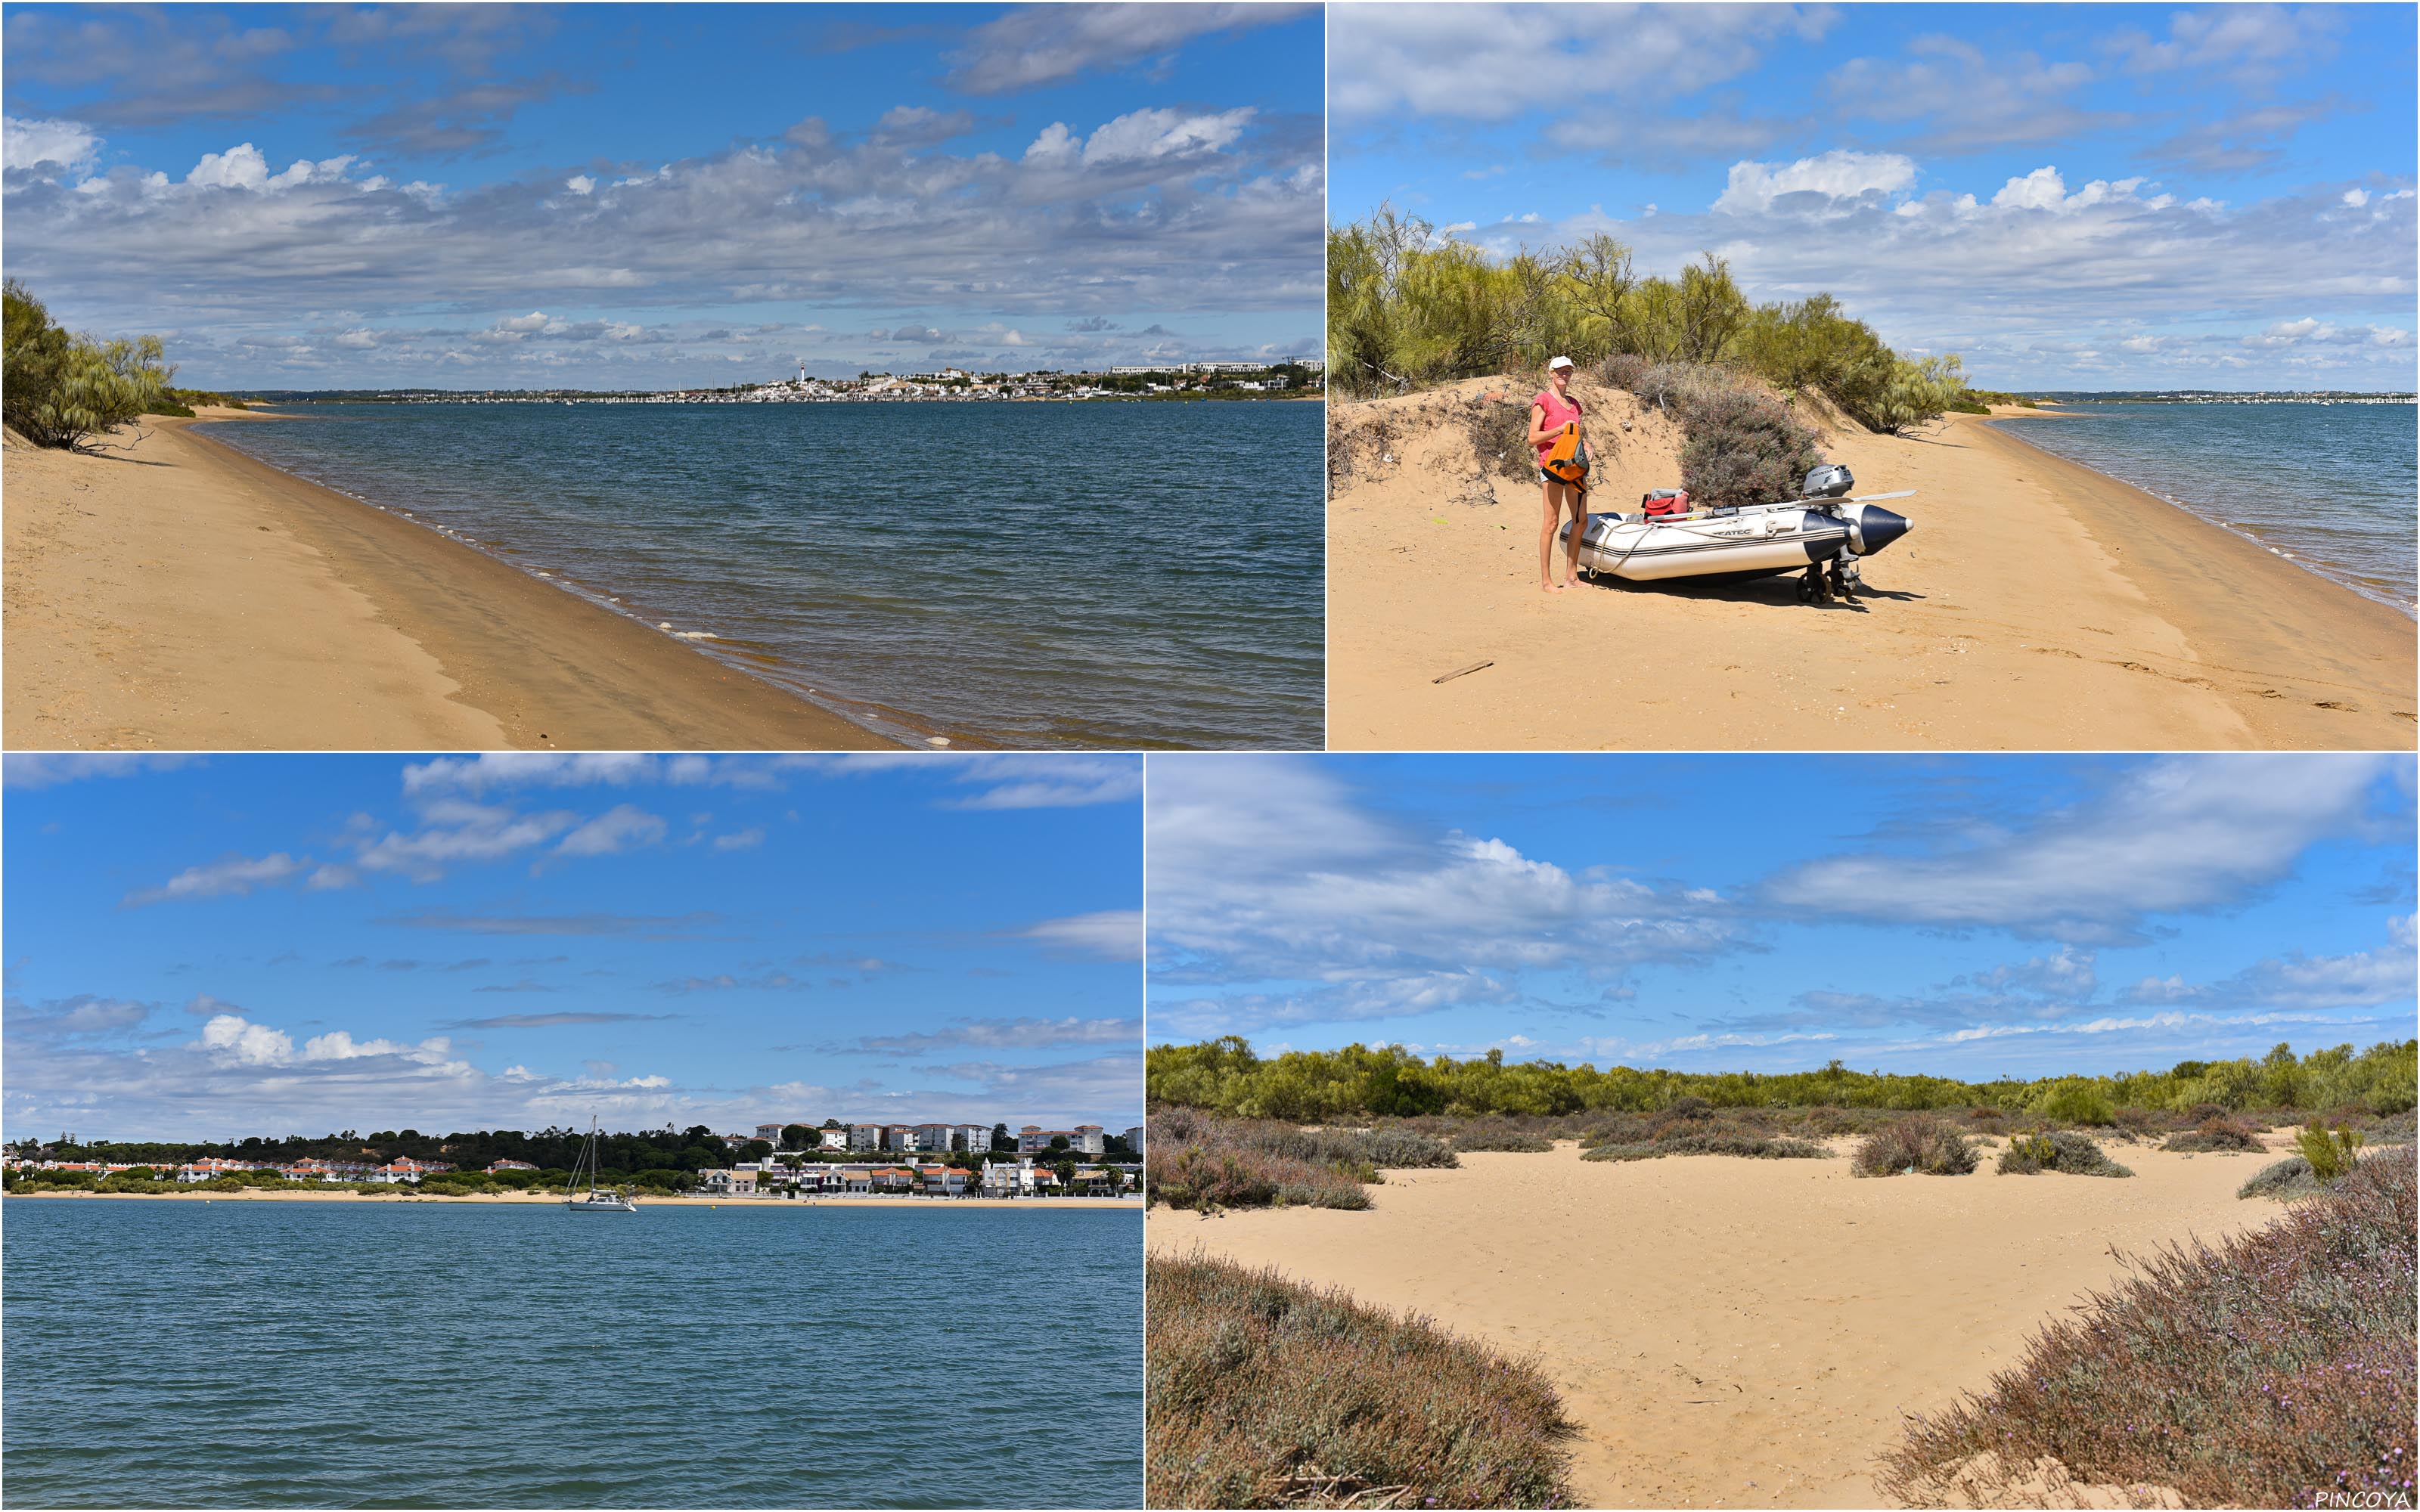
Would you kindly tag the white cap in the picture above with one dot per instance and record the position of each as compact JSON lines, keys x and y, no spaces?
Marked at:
{"x":1558,"y":361}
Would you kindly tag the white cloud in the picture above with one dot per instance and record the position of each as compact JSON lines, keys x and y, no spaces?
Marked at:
{"x":1036,"y":45}
{"x":247,"y":1044}
{"x":1269,"y":870}
{"x":24,"y":769}
{"x":2183,"y":834}
{"x":230,"y":877}
{"x":622,"y":827}
{"x":580,"y":183}
{"x":1114,"y":935}
{"x":1140,"y":136}
{"x":34,"y":145}
{"x":1835,"y":175}
{"x":243,"y":167}
{"x":1493,"y":62}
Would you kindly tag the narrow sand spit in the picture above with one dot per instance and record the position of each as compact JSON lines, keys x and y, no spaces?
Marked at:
{"x":2037,"y":605}
{"x":1738,"y":1332}
{"x":181,"y":595}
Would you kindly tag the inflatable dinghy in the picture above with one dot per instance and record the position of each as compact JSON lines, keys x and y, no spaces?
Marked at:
{"x":1823,"y":533}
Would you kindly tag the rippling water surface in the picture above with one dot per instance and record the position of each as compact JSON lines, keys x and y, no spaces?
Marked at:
{"x":172,"y":1353}
{"x":1061,"y":575}
{"x":2331,"y":487}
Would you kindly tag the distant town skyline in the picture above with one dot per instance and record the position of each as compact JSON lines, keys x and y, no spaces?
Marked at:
{"x":232,"y":946}
{"x":654,"y":196}
{"x":2082,"y":197}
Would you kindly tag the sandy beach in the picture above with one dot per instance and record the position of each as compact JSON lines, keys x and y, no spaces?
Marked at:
{"x":542,"y":1199}
{"x":1738,"y":1332}
{"x":183,"y":596}
{"x":2036,"y":604}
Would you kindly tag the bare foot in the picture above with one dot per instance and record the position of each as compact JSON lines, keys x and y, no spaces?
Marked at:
{"x":1550,"y":587}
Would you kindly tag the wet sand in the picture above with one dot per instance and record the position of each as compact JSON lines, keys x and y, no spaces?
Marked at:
{"x":1738,"y":1332}
{"x":181,"y":595}
{"x":2036,"y":604}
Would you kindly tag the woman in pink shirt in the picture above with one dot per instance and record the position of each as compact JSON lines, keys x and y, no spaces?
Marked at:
{"x":1549,"y":412}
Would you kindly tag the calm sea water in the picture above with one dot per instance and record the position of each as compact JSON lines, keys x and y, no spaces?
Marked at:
{"x":2331,"y":486}
{"x":170,"y":1353}
{"x":1054,"y":574}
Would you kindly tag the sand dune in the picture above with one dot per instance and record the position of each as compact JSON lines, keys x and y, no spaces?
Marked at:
{"x":2037,"y":605}
{"x":1738,"y":1332}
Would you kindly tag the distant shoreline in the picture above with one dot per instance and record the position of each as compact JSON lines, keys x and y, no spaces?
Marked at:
{"x":484,"y":1199}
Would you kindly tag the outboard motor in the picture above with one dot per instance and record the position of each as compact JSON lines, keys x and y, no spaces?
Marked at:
{"x":1830,"y":481}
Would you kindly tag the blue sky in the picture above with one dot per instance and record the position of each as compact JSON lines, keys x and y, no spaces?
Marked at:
{"x":2070,"y":197}
{"x":1959,"y":915}
{"x":608,"y":196}
{"x":302,"y":945}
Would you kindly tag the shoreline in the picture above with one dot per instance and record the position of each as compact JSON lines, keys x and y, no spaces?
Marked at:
{"x":2037,"y":605}
{"x":492,"y":1199}
{"x":187,"y":595}
{"x":2241,"y":533}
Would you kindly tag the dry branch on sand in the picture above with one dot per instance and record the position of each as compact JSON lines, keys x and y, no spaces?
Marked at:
{"x":1264,"y":1393}
{"x":2275,"y":1370}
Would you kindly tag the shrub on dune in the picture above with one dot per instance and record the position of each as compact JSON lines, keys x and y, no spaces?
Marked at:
{"x":2280,"y":1179}
{"x":1919,"y":1145}
{"x":1711,"y":1141}
{"x":2062,"y":1150}
{"x":1261,"y":1391}
{"x":1503,"y":1141}
{"x":2275,"y":1370}
{"x":2218,"y":1134}
{"x":2329,"y":1152}
{"x":2076,"y":1100}
{"x":1195,"y":1162}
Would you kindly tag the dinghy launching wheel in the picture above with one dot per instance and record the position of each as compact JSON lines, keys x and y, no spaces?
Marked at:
{"x":1813,"y":588}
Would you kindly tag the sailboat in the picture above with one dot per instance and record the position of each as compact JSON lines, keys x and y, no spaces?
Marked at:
{"x":596,"y":1201}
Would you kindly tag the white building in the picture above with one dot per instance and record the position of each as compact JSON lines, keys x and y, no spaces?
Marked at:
{"x":864,"y":1138}
{"x":1085,"y":1138}
{"x":832,"y":1138}
{"x":1134,"y":1139}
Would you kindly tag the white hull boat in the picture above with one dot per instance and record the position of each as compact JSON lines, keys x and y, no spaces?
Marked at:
{"x":1823,"y":534}
{"x":594,"y":1200}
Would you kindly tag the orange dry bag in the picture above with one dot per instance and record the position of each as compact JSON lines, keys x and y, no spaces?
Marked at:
{"x":1567,"y":460}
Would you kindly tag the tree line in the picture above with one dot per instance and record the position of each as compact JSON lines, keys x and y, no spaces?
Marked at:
{"x":62,"y":388}
{"x":1407,"y":308}
{"x":1226,"y":1076}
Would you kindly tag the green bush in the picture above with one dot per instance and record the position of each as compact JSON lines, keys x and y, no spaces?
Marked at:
{"x":1716,"y":1140}
{"x":2280,"y":1179}
{"x":2062,"y":1150}
{"x":64,"y":391}
{"x":2077,"y":1101}
{"x":1742,"y":447}
{"x":2329,"y":1152}
{"x":1918,"y":1144}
